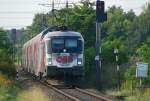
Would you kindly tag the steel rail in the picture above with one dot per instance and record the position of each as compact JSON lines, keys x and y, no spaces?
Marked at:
{"x":71,"y":98}
{"x":101,"y":98}
{"x":94,"y":95}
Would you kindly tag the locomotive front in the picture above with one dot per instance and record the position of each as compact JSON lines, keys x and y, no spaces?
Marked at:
{"x":64,"y":53}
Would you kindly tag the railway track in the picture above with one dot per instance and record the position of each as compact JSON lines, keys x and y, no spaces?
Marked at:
{"x":75,"y":94}
{"x":84,"y":95}
{"x":60,"y":92}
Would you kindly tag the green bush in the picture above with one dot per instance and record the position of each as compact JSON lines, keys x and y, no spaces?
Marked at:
{"x":89,"y":60}
{"x":9,"y":89}
{"x":89,"y":78}
{"x":108,"y":51}
{"x":144,"y":56}
{"x":8,"y":69}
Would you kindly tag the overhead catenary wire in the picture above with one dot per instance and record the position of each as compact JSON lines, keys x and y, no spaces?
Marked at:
{"x":27,"y":12}
{"x":58,"y":5}
{"x":20,"y":12}
{"x":11,"y":27}
{"x":18,"y":18}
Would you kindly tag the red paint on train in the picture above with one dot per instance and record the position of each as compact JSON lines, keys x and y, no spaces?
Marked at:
{"x":64,"y":59}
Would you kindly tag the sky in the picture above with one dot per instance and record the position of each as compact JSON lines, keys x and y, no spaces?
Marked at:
{"x":20,"y":13}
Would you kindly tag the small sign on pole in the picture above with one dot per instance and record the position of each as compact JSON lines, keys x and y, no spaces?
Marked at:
{"x":142,"y":69}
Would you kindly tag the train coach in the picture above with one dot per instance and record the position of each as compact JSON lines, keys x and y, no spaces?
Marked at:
{"x":54,"y":51}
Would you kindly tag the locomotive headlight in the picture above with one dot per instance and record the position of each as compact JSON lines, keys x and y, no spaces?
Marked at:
{"x":49,"y":61}
{"x":79,"y":61}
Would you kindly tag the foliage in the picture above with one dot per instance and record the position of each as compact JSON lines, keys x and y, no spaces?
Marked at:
{"x":8,"y":89}
{"x":5,"y":42}
{"x":108,"y":51}
{"x":139,"y":96}
{"x":8,"y":69}
{"x":5,"y":46}
{"x":6,"y":65}
{"x":5,"y":57}
{"x":131,"y":95}
{"x":130,"y":73}
{"x":89,"y":60}
{"x":144,"y":53}
{"x":4,"y":80}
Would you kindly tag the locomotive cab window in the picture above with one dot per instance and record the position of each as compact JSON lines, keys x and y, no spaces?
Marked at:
{"x":72,"y":45}
{"x":58,"y":43}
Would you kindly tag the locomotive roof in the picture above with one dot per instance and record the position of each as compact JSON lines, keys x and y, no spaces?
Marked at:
{"x":62,"y":33}
{"x":54,"y":33}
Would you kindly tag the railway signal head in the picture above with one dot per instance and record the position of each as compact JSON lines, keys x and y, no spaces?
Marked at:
{"x":100,"y":6}
{"x":13,"y":34}
{"x":101,"y":16}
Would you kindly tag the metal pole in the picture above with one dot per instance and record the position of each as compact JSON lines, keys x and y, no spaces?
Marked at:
{"x":14,"y":47}
{"x":66,"y":13}
{"x":118,"y":72}
{"x":13,"y":32}
{"x":98,"y":55}
{"x":18,"y":53}
{"x":43,"y":21}
{"x":52,"y":12}
{"x":140,"y":82}
{"x":118,"y":68}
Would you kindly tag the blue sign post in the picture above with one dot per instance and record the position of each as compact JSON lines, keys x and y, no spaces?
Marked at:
{"x":141,"y":71}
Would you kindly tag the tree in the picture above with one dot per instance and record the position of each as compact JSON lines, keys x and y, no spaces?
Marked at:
{"x":108,"y":51}
{"x":144,"y":53}
{"x":5,"y":47}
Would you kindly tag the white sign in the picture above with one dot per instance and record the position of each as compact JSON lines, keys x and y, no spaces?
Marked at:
{"x":142,"y":69}
{"x":97,"y":58}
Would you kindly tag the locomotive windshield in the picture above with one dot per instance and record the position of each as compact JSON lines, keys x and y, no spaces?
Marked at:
{"x":70,"y":45}
{"x":58,"y":44}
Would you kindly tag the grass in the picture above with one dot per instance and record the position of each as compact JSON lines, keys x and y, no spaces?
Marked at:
{"x":130,"y":92}
{"x":131,"y":95}
{"x":8,"y":89}
{"x":139,"y":95}
{"x":33,"y":94}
